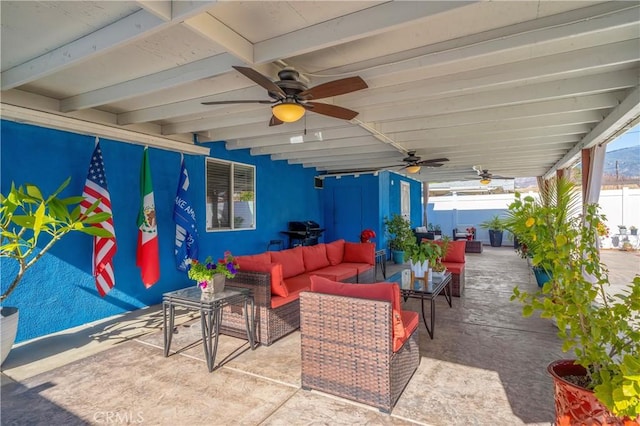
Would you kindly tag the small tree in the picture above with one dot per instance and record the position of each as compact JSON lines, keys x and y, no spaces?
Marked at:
{"x":399,"y":230}
{"x":25,"y":215}
{"x":601,"y":329}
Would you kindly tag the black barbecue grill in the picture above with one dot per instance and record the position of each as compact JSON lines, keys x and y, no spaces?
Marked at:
{"x":304,"y":233}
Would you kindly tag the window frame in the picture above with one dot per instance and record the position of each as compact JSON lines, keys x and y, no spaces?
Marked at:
{"x":231,"y":204}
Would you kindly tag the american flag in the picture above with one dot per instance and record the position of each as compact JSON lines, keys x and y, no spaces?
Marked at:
{"x":103,"y":248}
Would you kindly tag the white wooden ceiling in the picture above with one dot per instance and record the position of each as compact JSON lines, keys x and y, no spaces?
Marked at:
{"x":516,"y":87}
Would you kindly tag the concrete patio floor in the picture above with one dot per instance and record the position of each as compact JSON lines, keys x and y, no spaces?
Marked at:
{"x":485,"y":366}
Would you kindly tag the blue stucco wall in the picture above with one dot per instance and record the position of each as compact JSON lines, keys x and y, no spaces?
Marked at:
{"x":379,"y":196}
{"x":59,"y":292}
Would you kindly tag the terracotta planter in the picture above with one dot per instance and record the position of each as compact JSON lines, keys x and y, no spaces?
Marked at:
{"x":577,"y":406}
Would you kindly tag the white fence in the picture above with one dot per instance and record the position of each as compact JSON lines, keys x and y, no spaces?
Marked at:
{"x":620,"y":206}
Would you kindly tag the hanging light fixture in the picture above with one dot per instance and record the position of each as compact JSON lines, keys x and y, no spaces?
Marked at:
{"x":413,"y":169}
{"x":485,"y":181}
{"x":288,"y":112}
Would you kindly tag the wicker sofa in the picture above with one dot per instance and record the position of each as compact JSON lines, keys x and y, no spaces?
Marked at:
{"x":277,"y":279}
{"x":356,"y":342}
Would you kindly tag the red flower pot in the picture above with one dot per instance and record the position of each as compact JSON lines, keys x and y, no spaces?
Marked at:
{"x":576,"y":406}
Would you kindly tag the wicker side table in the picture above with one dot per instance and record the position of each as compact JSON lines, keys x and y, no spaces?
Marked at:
{"x":473,"y":246}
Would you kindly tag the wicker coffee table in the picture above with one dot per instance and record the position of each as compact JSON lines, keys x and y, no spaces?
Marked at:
{"x":418,"y":290}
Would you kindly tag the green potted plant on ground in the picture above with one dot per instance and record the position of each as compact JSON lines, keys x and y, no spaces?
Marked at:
{"x":25,"y":217}
{"x":401,"y":236}
{"x":601,"y":383}
{"x":495,"y":225}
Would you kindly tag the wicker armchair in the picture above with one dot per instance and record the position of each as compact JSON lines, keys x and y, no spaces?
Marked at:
{"x":347,"y":349}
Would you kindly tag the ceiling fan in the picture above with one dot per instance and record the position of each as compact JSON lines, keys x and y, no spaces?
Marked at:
{"x":413,"y":162}
{"x":485,"y":176}
{"x":291,"y":98}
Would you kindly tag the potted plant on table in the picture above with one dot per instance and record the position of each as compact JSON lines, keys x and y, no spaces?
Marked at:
{"x":601,"y":384}
{"x":422,"y":257}
{"x":401,"y":236}
{"x":26,"y":219}
{"x":211,"y":277}
{"x":633,"y":230}
{"x":495,"y":225}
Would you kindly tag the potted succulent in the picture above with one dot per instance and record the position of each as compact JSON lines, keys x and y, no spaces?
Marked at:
{"x":633,"y":230}
{"x":601,"y":383}
{"x":495,"y":225}
{"x":401,"y":236}
{"x":25,"y":217}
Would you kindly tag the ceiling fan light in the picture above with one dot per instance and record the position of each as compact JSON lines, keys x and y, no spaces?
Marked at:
{"x":485,"y":181}
{"x":413,"y":169}
{"x":288,"y":112}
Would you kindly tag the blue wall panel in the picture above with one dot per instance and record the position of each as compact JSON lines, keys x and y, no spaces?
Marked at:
{"x":59,"y":291}
{"x":380,"y":196}
{"x":349,"y":196}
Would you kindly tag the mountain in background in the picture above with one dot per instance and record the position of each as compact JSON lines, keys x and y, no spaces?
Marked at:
{"x":623,"y":163}
{"x":621,"y":167}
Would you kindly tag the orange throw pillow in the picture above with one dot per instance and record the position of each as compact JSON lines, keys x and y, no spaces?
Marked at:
{"x":291,"y":261}
{"x":455,"y":251}
{"x":335,"y":252}
{"x":278,"y":286}
{"x":315,"y":257}
{"x":360,"y":253}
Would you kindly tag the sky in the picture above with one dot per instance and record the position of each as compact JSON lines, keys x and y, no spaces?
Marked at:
{"x":630,"y":138}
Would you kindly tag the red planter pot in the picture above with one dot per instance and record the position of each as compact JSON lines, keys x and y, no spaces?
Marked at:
{"x":576,"y":406}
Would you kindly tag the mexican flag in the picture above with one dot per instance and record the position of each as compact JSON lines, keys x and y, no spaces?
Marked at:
{"x":147,"y":255}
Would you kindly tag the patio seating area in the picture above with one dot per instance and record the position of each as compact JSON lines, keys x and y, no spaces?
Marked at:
{"x":486,"y":365}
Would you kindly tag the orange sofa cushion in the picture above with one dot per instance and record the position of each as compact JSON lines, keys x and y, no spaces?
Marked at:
{"x":389,"y":292}
{"x":359,"y":267}
{"x":295,"y":286}
{"x":360,"y":253}
{"x":411,"y":320}
{"x":275,"y":269}
{"x":254,"y":258}
{"x":454,"y":267}
{"x":291,"y":260}
{"x":315,"y":257}
{"x":455,"y":251}
{"x":337,"y":273}
{"x":335,"y":252}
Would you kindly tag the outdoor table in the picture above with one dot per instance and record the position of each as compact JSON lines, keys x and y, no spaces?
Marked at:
{"x":418,"y":289}
{"x":210,"y":315}
{"x":381,"y":259}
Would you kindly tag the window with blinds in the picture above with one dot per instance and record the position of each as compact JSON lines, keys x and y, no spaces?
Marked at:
{"x":230,"y":195}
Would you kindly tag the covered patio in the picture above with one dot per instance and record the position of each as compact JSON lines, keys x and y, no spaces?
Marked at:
{"x":485,"y":365}
{"x":454,"y":90}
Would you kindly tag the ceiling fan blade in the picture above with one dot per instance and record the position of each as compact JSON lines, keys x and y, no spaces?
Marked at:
{"x":262,"y":80}
{"x":331,"y":110}
{"x":433,"y":160}
{"x":275,"y":121}
{"x":252,"y":101}
{"x":334,"y":88}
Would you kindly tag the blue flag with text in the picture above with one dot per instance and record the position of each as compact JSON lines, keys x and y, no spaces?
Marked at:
{"x":186,"y":228}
